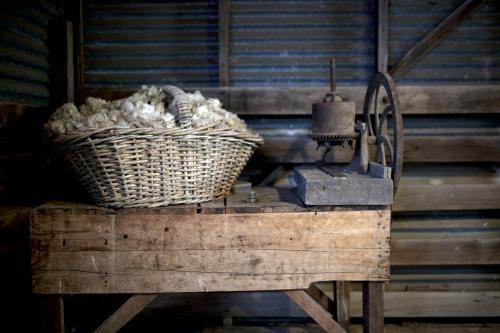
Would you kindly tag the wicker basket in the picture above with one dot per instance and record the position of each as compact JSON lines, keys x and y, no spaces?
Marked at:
{"x":145,"y":167}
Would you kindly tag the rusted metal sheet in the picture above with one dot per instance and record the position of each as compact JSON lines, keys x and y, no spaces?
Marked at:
{"x":23,"y":50}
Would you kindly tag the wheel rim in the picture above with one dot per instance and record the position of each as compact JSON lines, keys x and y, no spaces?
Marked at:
{"x":375,"y":123}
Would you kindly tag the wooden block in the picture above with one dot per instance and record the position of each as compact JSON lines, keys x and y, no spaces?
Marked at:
{"x":155,"y":253}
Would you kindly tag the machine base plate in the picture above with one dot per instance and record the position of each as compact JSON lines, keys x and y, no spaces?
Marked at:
{"x":316,"y":187}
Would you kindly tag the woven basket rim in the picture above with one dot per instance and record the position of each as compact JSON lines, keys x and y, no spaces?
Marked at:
{"x":110,"y":132}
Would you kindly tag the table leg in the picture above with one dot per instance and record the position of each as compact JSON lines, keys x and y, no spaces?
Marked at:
{"x":373,"y":307}
{"x":341,"y":294}
{"x":51,"y":311}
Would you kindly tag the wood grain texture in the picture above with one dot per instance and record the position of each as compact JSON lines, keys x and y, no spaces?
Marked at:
{"x":313,"y":309}
{"x":224,"y":16}
{"x":435,"y":36}
{"x":382,"y":19}
{"x":342,"y":294}
{"x":460,"y":99}
{"x":130,"y":253}
{"x":373,"y":307}
{"x":61,"y":63}
{"x":474,"y":250}
{"x":425,"y":149}
{"x":125,"y":313}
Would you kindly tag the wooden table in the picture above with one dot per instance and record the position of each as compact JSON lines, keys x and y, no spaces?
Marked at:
{"x":227,"y":245}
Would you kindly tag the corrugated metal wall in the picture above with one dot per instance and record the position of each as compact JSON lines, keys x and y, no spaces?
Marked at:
{"x":280,"y":43}
{"x":23,"y":50}
{"x":470,"y":55}
{"x":290,"y":43}
{"x":129,"y":43}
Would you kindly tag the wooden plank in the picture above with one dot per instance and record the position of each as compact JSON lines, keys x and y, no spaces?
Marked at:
{"x":108,"y":253}
{"x":435,"y":304}
{"x":313,"y":309}
{"x":449,"y":251}
{"x":224,"y":16}
{"x":61,"y":68}
{"x":21,"y":117}
{"x":319,"y":296}
{"x":465,"y":99}
{"x":268,"y":200}
{"x":342,"y":303}
{"x":435,"y":36}
{"x":125,"y":313}
{"x":426,"y":149}
{"x":443,"y":197}
{"x":382,"y":48}
{"x":51,"y":313}
{"x":373,"y":307}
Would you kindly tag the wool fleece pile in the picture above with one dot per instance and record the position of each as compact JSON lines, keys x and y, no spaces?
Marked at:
{"x":144,"y":109}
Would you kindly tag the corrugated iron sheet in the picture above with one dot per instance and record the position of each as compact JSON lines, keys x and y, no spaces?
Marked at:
{"x":470,"y":55}
{"x":290,"y":43}
{"x":23,"y":51}
{"x":129,"y":43}
{"x":280,"y":43}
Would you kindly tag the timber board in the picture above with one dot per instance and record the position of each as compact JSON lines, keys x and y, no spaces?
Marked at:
{"x":88,"y":250}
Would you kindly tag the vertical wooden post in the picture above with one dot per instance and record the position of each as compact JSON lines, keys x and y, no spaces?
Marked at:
{"x":382,"y":28}
{"x":61,"y":69}
{"x":73,"y":11}
{"x":373,"y":307}
{"x":51,"y":313}
{"x":341,"y":293}
{"x":224,"y":43}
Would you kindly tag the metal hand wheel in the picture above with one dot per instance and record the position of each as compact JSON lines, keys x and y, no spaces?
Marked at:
{"x":381,"y":124}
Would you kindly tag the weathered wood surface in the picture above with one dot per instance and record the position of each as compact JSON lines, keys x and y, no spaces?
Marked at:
{"x":313,"y":309}
{"x":125,"y":313}
{"x":373,"y":307}
{"x":463,"y":99}
{"x":342,"y":297}
{"x":435,"y":36}
{"x":382,"y":46}
{"x":405,"y":327}
{"x":61,"y":63}
{"x":224,"y":43}
{"x":141,"y":252}
{"x":426,"y":149}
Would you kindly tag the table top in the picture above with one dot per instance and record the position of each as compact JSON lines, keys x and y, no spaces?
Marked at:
{"x":268,"y":200}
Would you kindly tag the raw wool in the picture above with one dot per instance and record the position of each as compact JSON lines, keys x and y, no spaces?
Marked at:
{"x":209,"y":111}
{"x":144,"y":108}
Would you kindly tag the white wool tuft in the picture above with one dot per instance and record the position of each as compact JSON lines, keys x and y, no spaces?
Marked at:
{"x":144,"y":108}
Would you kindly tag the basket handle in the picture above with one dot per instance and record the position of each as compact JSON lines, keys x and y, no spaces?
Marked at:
{"x":183,"y":106}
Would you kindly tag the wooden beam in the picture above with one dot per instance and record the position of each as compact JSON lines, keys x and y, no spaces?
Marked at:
{"x":341,"y":293}
{"x":420,"y":251}
{"x":417,"y":149}
{"x":435,"y":36}
{"x":313,"y":309}
{"x":373,"y":307}
{"x":321,"y":298}
{"x":382,"y":22}
{"x":61,"y":68}
{"x":435,"y":304}
{"x":224,"y":17}
{"x":125,"y":313}
{"x":153,"y":252}
{"x":51,"y":312}
{"x":415,"y":100}
{"x":73,"y":11}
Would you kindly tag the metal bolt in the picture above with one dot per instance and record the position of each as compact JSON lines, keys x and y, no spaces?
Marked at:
{"x":251,"y":197}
